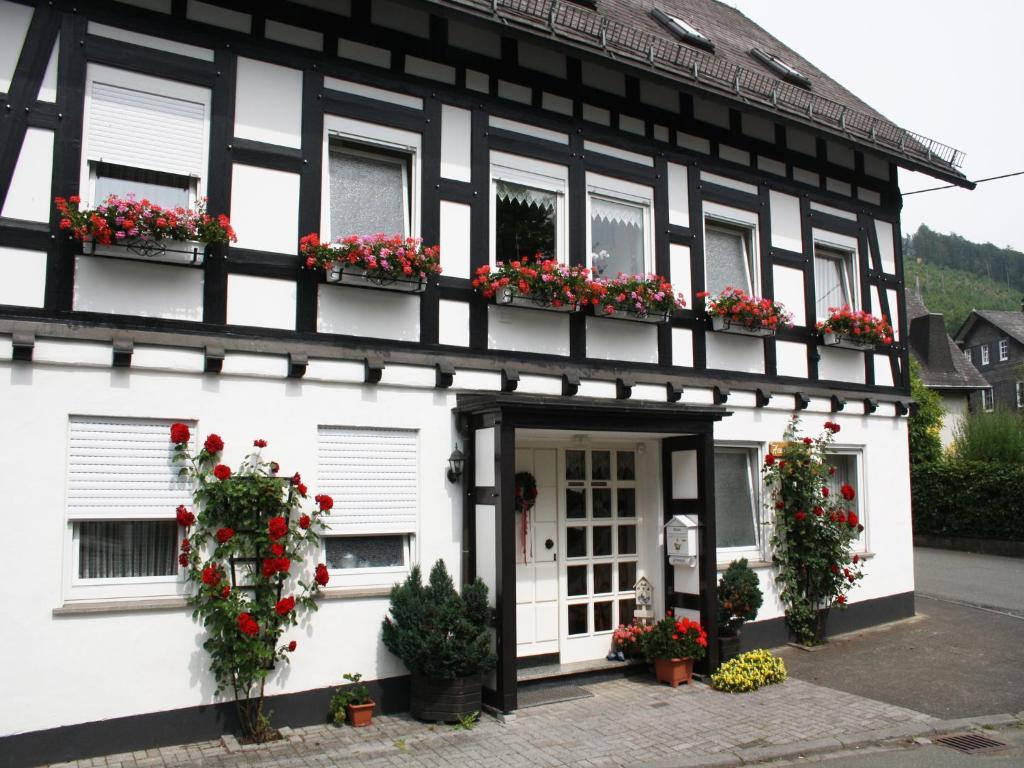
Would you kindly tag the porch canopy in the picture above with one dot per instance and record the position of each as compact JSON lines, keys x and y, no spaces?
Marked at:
{"x":488,"y":424}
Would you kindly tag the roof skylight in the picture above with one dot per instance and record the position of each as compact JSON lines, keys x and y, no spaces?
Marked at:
{"x":682,"y":29}
{"x":781,"y":68}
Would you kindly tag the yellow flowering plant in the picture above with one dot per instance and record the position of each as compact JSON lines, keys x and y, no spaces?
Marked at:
{"x":748,"y":672}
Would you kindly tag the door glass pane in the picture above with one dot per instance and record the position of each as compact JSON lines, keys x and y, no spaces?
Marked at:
{"x":367,"y":193}
{"x":575,"y":502}
{"x":616,"y":238}
{"x":578,"y":619}
{"x":625,"y":465}
{"x":125,"y":549}
{"x":626,"y":608}
{"x":627,"y":576}
{"x":626,"y":498}
{"x":576,"y":541}
{"x":602,"y":540}
{"x":601,"y":465}
{"x":627,"y":539}
{"x":602,"y":502}
{"x":725,"y":260}
{"x":734,"y":500}
{"x":575,"y":465}
{"x":602,"y":578}
{"x":576,"y":579}
{"x":603,"y":616}
{"x":525,"y":221}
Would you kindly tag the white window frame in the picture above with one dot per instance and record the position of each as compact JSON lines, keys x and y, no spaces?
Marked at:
{"x":860,"y":547}
{"x":724,"y":218}
{"x":155,"y":85}
{"x":988,"y":400}
{"x":967,"y":355}
{"x":848,"y":258}
{"x":371,"y":136}
{"x":757,"y":552}
{"x":78,"y":590}
{"x":1004,"y":350}
{"x":550,"y":177}
{"x":985,"y":357}
{"x":628,"y":193}
{"x":1020,"y":394}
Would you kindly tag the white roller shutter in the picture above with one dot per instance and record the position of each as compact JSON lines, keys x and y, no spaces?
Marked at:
{"x":122,"y":469}
{"x":372,"y":475}
{"x":145,"y":130}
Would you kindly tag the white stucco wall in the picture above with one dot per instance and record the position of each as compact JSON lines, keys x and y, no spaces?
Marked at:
{"x":955,"y":407}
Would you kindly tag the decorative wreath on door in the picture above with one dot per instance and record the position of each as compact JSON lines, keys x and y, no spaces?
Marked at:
{"x":526,"y":497}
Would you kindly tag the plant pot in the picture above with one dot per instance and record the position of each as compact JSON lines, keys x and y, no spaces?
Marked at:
{"x":673,"y":671}
{"x":162,"y":251}
{"x":723,"y":325}
{"x":626,"y":314}
{"x":728,"y":647}
{"x":360,"y":715}
{"x":842,"y":341}
{"x":360,"y":278}
{"x":446,"y":701}
{"x":509,"y":296}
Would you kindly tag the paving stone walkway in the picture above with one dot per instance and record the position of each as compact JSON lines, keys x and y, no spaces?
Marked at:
{"x":629,"y":721}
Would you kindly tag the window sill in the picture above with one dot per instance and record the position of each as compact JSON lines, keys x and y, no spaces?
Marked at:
{"x":88,"y":607}
{"x":355,"y":593}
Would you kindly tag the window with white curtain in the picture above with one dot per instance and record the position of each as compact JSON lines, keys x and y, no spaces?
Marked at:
{"x":123,"y":489}
{"x":617,"y":237}
{"x":835,"y":281}
{"x":847,"y":472}
{"x":729,"y":257}
{"x":528,"y":209}
{"x":369,"y":190}
{"x":737,"y":503}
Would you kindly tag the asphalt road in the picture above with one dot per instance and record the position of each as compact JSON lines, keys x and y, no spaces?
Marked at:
{"x":951,"y":660}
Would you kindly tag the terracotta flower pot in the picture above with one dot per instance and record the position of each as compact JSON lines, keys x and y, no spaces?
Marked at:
{"x":360,"y":714}
{"x":673,"y":671}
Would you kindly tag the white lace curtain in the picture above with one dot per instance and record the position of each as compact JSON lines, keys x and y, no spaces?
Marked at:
{"x":616,"y":213}
{"x":517,"y":193}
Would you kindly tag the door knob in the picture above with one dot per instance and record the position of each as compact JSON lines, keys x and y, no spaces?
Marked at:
{"x":549,"y":544}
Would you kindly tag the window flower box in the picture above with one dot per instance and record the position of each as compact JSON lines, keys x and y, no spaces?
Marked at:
{"x":639,"y":298}
{"x":845,"y":341}
{"x":734,"y":311}
{"x":388,"y":262}
{"x":509,"y":296}
{"x":636,"y":317}
{"x":535,"y":283}
{"x":854,"y":329}
{"x":141,"y":249}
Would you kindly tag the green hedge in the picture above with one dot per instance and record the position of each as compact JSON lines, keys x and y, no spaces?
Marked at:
{"x":971,"y":499}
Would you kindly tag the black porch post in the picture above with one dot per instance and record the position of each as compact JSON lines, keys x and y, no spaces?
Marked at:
{"x":708,"y":547}
{"x":505,"y":563}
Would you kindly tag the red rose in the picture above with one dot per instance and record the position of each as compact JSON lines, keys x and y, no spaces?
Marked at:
{"x":842,"y":599}
{"x":247,"y":624}
{"x":211,"y":576}
{"x":296,"y":478}
{"x":274,"y":467}
{"x":183,"y":560}
{"x":180,"y":433}
{"x":807,"y":441}
{"x":769,"y":459}
{"x":831,"y":470}
{"x":847,"y":492}
{"x":780,"y":504}
{"x":800,"y":515}
{"x":819,"y":511}
{"x":301,"y":488}
{"x":222,"y":471}
{"x":326,"y":502}
{"x":186,"y":546}
{"x":834,"y":428}
{"x":277,"y":550}
{"x":224,"y":534}
{"x":213,"y":444}
{"x":269,"y":566}
{"x":261,"y":443}
{"x":278,"y":527}
{"x":292,"y":646}
{"x":225,"y":592}
{"x":834,"y":568}
{"x":856,"y":559}
{"x":322,"y":577}
{"x":285,"y":606}
{"x":184,"y":517}
{"x":304,"y":522}
{"x":825,"y":492}
{"x":851,"y":519}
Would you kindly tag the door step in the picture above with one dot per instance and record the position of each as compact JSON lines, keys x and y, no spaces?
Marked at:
{"x":596,"y":668}
{"x":550,"y":692}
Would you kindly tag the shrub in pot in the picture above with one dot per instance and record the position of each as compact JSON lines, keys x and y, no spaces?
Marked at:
{"x":673,"y":645}
{"x":739,"y":598}
{"x":443,"y":639}
{"x":352,"y":702}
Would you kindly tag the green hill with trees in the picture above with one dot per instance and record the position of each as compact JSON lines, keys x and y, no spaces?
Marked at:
{"x":956,"y":275}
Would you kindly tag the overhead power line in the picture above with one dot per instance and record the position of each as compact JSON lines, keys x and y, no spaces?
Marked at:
{"x":976,"y":181}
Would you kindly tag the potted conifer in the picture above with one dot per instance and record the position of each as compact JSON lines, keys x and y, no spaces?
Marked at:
{"x":739,"y":598}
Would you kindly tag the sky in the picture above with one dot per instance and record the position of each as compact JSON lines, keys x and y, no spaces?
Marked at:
{"x":950,"y":70}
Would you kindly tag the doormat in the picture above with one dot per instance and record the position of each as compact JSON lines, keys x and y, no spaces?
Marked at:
{"x":538,"y":695}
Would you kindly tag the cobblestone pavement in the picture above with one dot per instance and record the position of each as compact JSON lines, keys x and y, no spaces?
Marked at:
{"x":629,"y":721}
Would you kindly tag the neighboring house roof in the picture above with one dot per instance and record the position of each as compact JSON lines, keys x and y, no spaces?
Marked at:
{"x":942,"y":363}
{"x":625,"y":30}
{"x":1008,"y":321}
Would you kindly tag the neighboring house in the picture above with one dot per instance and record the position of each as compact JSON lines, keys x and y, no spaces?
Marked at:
{"x":943,"y":366}
{"x":994,"y":341}
{"x":693,"y":144}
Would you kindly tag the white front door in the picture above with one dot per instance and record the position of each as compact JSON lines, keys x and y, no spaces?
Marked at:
{"x":537,"y":557}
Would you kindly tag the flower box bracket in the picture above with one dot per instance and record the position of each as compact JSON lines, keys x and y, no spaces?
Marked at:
{"x":724,"y":325}
{"x":358,"y":277}
{"x":654,"y":318}
{"x":844,"y":341}
{"x":510,"y":297}
{"x":186,"y":252}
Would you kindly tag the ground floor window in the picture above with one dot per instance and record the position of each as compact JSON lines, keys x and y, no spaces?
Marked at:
{"x":360,"y":552}
{"x":737,"y":502}
{"x":847,"y":466}
{"x":126,"y":548}
{"x":987,"y":400}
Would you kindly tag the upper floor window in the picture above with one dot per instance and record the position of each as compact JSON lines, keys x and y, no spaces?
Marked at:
{"x":730,"y":252}
{"x":1004,"y":350}
{"x":967,"y":354}
{"x":619,"y":227}
{"x":987,"y":399}
{"x":984,"y":354}
{"x":144,"y":136}
{"x":370,"y":179}
{"x":737,"y":502}
{"x":528,"y":216}
{"x":835,"y":279}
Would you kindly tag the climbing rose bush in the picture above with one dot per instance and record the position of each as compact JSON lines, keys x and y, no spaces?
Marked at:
{"x":246,"y":539}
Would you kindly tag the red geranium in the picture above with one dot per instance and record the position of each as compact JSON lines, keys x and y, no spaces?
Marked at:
{"x":285,"y":606}
{"x":247,"y":624}
{"x":322,"y":577}
{"x":224,"y":535}
{"x":180,"y":433}
{"x":213,"y":444}
{"x":222,"y":471}
{"x":185,"y":517}
{"x":278,"y":527}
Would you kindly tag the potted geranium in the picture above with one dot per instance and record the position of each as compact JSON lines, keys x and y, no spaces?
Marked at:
{"x":352,"y":702}
{"x":854,"y":329}
{"x":627,"y":640}
{"x":444,"y":640}
{"x":674,"y":644}
{"x":393,"y":262}
{"x":645,"y":298}
{"x":739,"y":598}
{"x":130,"y":228}
{"x":735,"y":311}
{"x":537,"y":283}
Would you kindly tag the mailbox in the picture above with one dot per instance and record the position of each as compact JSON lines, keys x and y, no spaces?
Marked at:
{"x":681,"y":540}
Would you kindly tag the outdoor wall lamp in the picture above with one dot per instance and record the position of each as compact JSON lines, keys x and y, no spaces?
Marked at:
{"x":456,"y":462}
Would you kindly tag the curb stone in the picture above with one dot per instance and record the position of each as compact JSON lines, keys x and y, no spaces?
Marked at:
{"x":795,"y":749}
{"x":977,"y":722}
